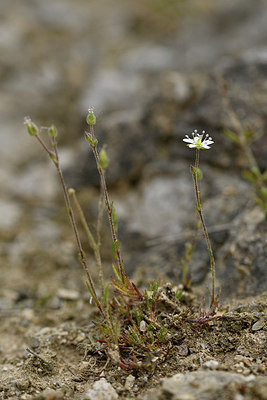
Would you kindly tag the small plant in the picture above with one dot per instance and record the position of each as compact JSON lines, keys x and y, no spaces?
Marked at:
{"x":199,"y":142}
{"x":132,"y":333}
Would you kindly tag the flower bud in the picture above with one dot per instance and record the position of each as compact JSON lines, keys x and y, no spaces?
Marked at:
{"x":31,"y":127}
{"x":103,"y":159}
{"x":91,"y":118}
{"x":52,"y":131}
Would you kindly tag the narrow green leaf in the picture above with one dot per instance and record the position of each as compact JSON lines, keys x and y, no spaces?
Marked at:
{"x":232,"y":136}
{"x":116,"y":332}
{"x":91,"y":141}
{"x":116,"y":273}
{"x":255,"y":171}
{"x":92,"y":293}
{"x":106,"y":295}
{"x":249,"y":176}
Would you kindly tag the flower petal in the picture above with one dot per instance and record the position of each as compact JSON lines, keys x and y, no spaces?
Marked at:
{"x":208,"y":142}
{"x":188,"y":140}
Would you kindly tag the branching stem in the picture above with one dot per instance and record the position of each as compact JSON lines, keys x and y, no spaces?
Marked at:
{"x":54,"y":157}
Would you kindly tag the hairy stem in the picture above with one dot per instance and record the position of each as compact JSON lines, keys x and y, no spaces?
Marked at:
{"x":108,"y":206}
{"x":54,"y":157}
{"x":194,"y":171}
{"x":93,"y":244}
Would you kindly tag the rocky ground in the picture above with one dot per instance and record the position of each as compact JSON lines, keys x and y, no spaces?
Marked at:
{"x":153,"y":73}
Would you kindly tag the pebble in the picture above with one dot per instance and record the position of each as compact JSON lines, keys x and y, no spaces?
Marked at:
{"x":102,"y":390}
{"x":211,"y":364}
{"x":129,"y":382}
{"x":183,"y":350}
{"x":80,"y":338}
{"x":34,"y":342}
{"x":68,"y":294}
{"x":259,"y":324}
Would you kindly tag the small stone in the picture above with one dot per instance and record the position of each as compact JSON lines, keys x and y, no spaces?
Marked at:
{"x":142,"y":326}
{"x":259,"y":324}
{"x":183,"y":350}
{"x":246,"y":372}
{"x":22,"y":384}
{"x":68,"y":294}
{"x":80,"y":338}
{"x":129,"y":382}
{"x":34,"y":342}
{"x":102,"y":390}
{"x":52,"y":394}
{"x":211,"y":364}
{"x":261,"y":368}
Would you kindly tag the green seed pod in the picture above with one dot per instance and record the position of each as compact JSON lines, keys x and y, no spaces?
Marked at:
{"x":52,"y":131}
{"x":32,"y":128}
{"x":103,"y":159}
{"x":91,"y":118}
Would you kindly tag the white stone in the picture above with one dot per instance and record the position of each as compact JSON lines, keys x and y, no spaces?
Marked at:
{"x":102,"y":390}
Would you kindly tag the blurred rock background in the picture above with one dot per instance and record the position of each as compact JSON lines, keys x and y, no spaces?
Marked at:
{"x":150,"y":68}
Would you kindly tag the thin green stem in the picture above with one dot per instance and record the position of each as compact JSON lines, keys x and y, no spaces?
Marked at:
{"x":108,"y":205}
{"x":194,"y":171}
{"x":101,"y":206}
{"x":95,"y":246}
{"x":55,"y":159}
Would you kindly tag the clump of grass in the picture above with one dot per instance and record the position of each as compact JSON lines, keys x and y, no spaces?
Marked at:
{"x":132,"y":332}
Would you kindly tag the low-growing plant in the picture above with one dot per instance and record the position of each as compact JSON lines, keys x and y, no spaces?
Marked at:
{"x":199,"y":142}
{"x":131,"y":331}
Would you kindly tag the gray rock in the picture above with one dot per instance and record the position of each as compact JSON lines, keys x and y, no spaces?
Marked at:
{"x":149,"y":58}
{"x":241,"y":265}
{"x":10,"y":214}
{"x":158,"y":218}
{"x":38,"y":181}
{"x":212,"y":385}
{"x":112,"y":89}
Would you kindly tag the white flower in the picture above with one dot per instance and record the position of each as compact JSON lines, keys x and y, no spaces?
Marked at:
{"x":197,"y":141}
